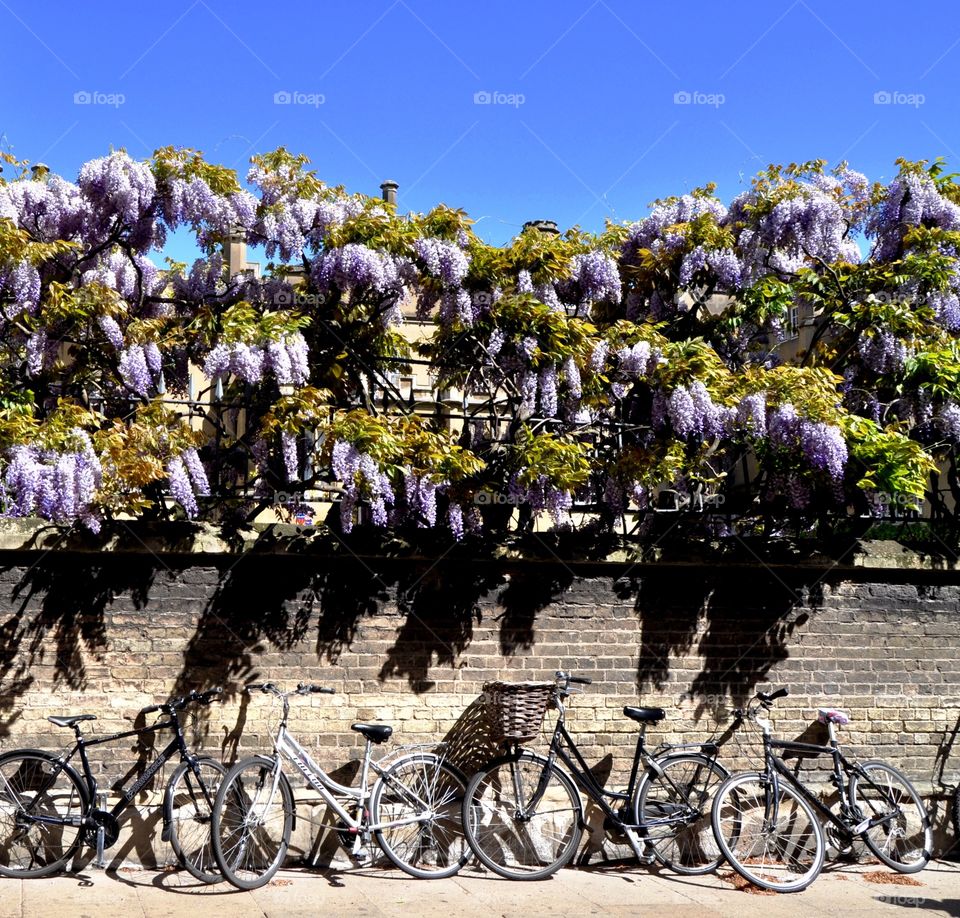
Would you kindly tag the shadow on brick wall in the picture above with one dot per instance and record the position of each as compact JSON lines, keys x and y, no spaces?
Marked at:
{"x":260,"y":607}
{"x":470,"y":743}
{"x":528,"y":592}
{"x":254,"y":605}
{"x":60,"y":607}
{"x":738,"y":629}
{"x":439,"y":605}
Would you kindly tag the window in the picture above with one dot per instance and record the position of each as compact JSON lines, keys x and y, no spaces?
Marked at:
{"x":793,"y":325}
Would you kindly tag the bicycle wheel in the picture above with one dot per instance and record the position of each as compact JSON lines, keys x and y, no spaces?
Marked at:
{"x":252,"y":822}
{"x":769,"y":834}
{"x":188,"y":805}
{"x":510,"y":835}
{"x":428,"y":846}
{"x":904,"y":841}
{"x":672,"y":806}
{"x":35,"y":784}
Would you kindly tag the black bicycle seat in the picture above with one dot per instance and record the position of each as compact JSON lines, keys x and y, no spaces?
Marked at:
{"x":376,"y":733}
{"x":645,"y":715}
{"x":70,"y":719}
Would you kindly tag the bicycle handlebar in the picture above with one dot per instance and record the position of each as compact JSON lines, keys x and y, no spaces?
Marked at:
{"x":177,"y":704}
{"x":766,"y":700}
{"x":306,"y":689}
{"x":302,"y":689}
{"x":570,"y":679}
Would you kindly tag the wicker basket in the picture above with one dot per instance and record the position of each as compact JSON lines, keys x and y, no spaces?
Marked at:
{"x":515,"y":709}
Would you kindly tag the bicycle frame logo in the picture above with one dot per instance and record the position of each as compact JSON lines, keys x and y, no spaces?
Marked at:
{"x":300,"y":760}
{"x":155,"y":766}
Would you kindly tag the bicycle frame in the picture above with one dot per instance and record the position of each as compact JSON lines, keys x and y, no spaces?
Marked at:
{"x":287,"y":747}
{"x":562,"y":745}
{"x":776,"y":767}
{"x":176,"y":745}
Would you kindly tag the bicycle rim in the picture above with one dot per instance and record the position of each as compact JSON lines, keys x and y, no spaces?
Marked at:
{"x":770,"y":836}
{"x":30,"y":786}
{"x":514,"y":839}
{"x":429,"y":848}
{"x":252,"y":823}
{"x":674,"y":808}
{"x":189,"y":811}
{"x":904,"y":841}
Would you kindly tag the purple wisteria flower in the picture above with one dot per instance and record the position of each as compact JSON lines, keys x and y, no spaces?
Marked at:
{"x":824,"y":447}
{"x":111,"y":331}
{"x":181,"y":489}
{"x":134,"y":370}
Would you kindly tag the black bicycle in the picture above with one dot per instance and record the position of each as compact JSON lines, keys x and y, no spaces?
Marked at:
{"x":523,"y":816}
{"x":766,"y":821}
{"x":48,"y":809}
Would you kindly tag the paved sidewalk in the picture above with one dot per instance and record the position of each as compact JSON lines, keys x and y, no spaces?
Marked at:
{"x":610,"y":891}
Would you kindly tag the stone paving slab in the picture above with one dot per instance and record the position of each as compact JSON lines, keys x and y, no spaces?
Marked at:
{"x":610,"y":891}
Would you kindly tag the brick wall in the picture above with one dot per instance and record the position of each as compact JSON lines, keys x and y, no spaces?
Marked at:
{"x":412,"y":643}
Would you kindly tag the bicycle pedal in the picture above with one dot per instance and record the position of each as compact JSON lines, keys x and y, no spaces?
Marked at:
{"x":165,"y":834}
{"x":361,"y":856}
{"x":100,"y":860}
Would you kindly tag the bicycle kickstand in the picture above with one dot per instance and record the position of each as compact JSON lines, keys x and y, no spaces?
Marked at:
{"x":102,"y":804}
{"x":642,"y":850}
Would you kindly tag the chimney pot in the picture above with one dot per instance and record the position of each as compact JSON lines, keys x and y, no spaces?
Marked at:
{"x":389,"y":189}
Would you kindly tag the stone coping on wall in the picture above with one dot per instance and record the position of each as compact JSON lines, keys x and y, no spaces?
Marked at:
{"x":851,"y":556}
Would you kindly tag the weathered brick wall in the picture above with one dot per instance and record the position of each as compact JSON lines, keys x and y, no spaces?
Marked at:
{"x":412,"y":643}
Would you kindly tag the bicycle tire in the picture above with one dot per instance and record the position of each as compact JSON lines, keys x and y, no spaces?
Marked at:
{"x":188,"y":810}
{"x":913,"y":829}
{"x":681,"y":787}
{"x":432,"y":849}
{"x":246,"y":854}
{"x":45,"y":849}
{"x":502,"y":842}
{"x":740,"y":805}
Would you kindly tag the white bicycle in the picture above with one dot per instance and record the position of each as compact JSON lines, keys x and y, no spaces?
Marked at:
{"x":413,"y":809}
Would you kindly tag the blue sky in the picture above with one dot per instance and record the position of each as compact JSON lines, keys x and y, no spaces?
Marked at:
{"x":593,"y":107}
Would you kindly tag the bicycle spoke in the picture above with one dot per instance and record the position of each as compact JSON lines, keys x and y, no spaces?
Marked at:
{"x":427,"y":795}
{"x":33,"y":785}
{"x":252,"y":823}
{"x":770,"y":835}
{"x":511,"y":835}
{"x":674,"y":808}
{"x":902,"y":837}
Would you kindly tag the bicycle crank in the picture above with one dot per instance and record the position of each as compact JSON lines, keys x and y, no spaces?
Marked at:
{"x":104,"y":822}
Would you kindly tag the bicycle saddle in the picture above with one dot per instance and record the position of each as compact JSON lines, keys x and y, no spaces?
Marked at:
{"x":830,"y":716}
{"x":645,"y":715}
{"x":376,"y":733}
{"x":70,"y":719}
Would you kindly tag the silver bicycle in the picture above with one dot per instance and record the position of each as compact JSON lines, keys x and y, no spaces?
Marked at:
{"x":413,"y":808}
